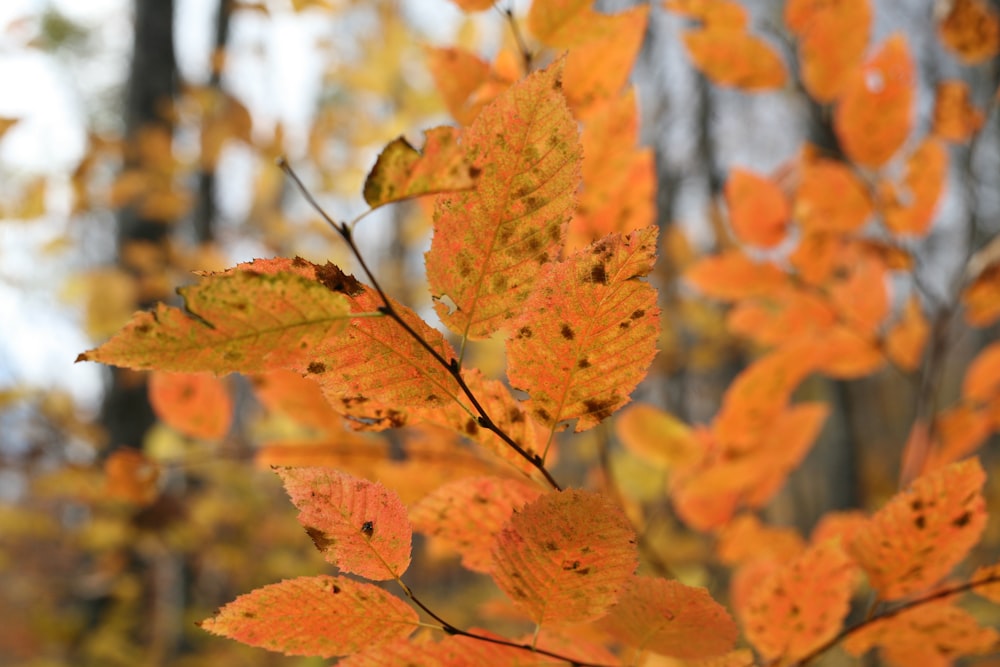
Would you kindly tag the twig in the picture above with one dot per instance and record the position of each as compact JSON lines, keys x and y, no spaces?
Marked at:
{"x":527,"y":58}
{"x":451,"y":365}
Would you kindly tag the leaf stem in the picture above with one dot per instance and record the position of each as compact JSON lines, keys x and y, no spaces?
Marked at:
{"x":452,"y":366}
{"x":527,"y":58}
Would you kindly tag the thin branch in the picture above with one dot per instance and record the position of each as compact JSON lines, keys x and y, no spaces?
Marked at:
{"x":527,"y":57}
{"x":451,"y":365}
{"x":896,"y":611}
{"x":450,"y":629}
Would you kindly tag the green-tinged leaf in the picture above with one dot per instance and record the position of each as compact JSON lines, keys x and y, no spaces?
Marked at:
{"x":320,"y":616}
{"x":564,"y":557}
{"x":241,"y":321}
{"x":922,"y":533}
{"x":359,"y":526}
{"x":669,"y":618}
{"x":490,"y":243}
{"x":467,"y":515}
{"x":588,"y":333}
{"x":402,"y":171}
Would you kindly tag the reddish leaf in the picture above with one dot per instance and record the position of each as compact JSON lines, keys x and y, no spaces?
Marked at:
{"x":732,"y":276}
{"x":926,"y":173}
{"x":196,"y":404}
{"x":931,"y":635}
{"x":922,"y":533}
{"x":489,"y":244}
{"x":785,"y":315}
{"x":588,"y":333}
{"x":669,"y":618}
{"x":564,"y":557}
{"x":321,"y":616}
{"x":830,"y":198}
{"x":833,"y":37}
{"x":982,"y":379}
{"x":800,"y":606}
{"x":468,"y":514}
{"x":402,"y":171}
{"x":359,"y":526}
{"x":956,"y":118}
{"x":971,"y":29}
{"x":657,"y":436}
{"x":875,"y":113}
{"x":758,"y":209}
{"x":242,"y":321}
{"x":906,"y":339}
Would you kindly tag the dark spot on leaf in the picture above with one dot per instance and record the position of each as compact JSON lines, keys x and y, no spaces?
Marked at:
{"x":636,"y":314}
{"x":431,"y":398}
{"x":542,"y":258}
{"x":567,"y":331}
{"x":316,"y":367}
{"x":920,"y":522}
{"x":962,"y":521}
{"x":600,"y":409}
{"x":143,"y":329}
{"x":917,"y":505}
{"x":480,"y":500}
{"x":299,"y":262}
{"x":336,"y":280}
{"x":524,"y":332}
{"x":471,"y":428}
{"x":583,"y":363}
{"x":570,"y":565}
{"x":551,"y":546}
{"x":249,"y":614}
{"x":598,"y":274}
{"x":624,"y":325}
{"x":319,"y":538}
{"x":534,"y":244}
{"x":334,"y":589}
{"x":474,"y":172}
{"x":543,"y":414}
{"x":515,"y":416}
{"x":368,"y":528}
{"x":582,"y":571}
{"x":240,"y":306}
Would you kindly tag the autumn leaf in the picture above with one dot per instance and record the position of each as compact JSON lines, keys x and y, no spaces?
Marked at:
{"x":588,"y":333}
{"x":672,"y":619}
{"x":297,"y":397}
{"x":926,"y":173}
{"x":402,"y":172}
{"x":930,"y":635}
{"x":908,"y":335}
{"x":922,"y":533}
{"x":467,"y":515}
{"x":359,"y":526}
{"x":458,"y":74}
{"x":732,"y":276}
{"x":832,"y":37}
{"x":234,"y":322}
{"x":960,"y":430}
{"x":657,"y":436}
{"x":801,"y":605}
{"x":130,"y":475}
{"x":981,"y":297}
{"x":971,"y":29}
{"x":735,"y":58}
{"x":875,"y":113}
{"x":196,"y":404}
{"x":956,"y":118}
{"x":474,"y":5}
{"x":564,"y":557}
{"x":746,"y":538}
{"x":861,"y":296}
{"x":320,"y":616}
{"x":490,"y":243}
{"x":982,"y":378}
{"x":758,"y":209}
{"x":831,"y":198}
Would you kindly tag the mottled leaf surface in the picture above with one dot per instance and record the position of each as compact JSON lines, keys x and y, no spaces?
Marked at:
{"x":402,"y":171}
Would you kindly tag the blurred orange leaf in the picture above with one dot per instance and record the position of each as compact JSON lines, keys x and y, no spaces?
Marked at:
{"x":906,"y":339}
{"x":971,"y":29}
{"x":875,"y":113}
{"x":956,"y":118}
{"x":758,"y":209}
{"x":657,"y":436}
{"x":922,"y":533}
{"x":196,"y":404}
{"x":982,"y":297}
{"x":833,"y":37}
{"x":831,"y":198}
{"x":130,"y":476}
{"x":732,"y":276}
{"x":297,"y":397}
{"x":565,"y":557}
{"x":359,"y":526}
{"x":982,"y":379}
{"x":731,"y":57}
{"x":926,"y":172}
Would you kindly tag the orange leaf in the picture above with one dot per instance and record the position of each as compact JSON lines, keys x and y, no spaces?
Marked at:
{"x":402,"y":172}
{"x":818,"y":256}
{"x":982,"y":379}
{"x":669,"y":618}
{"x":565,"y":556}
{"x":732,"y":57}
{"x":790,"y":313}
{"x":467,"y":515}
{"x":474,"y":5}
{"x":657,"y":436}
{"x":350,"y":452}
{"x":830,"y":198}
{"x":246,"y":321}
{"x":588,"y":333}
{"x":489,"y":244}
{"x":926,"y":173}
{"x":800,"y":606}
{"x":758,"y":209}
{"x":833,"y":37}
{"x":971,"y":29}
{"x":982,"y":298}
{"x":732,"y":276}
{"x":922,"y":533}
{"x":841,"y":352}
{"x":956,"y":118}
{"x":990,"y":591}
{"x":559,"y":23}
{"x":713,"y":13}
{"x":130,"y":476}
{"x":906,"y":339}
{"x":322,"y":616}
{"x":458,"y":74}
{"x":875,"y":113}
{"x":745,"y":539}
{"x":359,"y":526}
{"x":931,"y":635}
{"x":196,"y":404}
{"x":960,"y":431}
{"x":297,"y":397}
{"x":861,"y":297}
